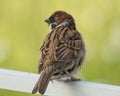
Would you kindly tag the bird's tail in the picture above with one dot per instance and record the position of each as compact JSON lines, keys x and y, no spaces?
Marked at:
{"x":42,"y":83}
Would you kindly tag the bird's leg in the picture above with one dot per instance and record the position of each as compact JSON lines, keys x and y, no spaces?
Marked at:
{"x":54,"y":78}
{"x":72,"y":78}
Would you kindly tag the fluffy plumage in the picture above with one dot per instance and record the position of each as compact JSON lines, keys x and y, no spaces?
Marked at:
{"x":63,"y":51}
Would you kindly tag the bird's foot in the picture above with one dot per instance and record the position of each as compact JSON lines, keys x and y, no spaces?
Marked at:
{"x":72,"y":79}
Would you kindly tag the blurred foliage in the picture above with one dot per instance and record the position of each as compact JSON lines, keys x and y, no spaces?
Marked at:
{"x":14,"y":93}
{"x":22,"y":30}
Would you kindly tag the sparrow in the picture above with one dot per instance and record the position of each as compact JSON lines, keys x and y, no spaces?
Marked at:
{"x":62,"y":52}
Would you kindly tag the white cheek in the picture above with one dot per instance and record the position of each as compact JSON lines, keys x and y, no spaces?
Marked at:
{"x":50,"y":27}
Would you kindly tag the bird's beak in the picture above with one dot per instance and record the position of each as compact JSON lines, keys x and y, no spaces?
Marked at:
{"x":47,"y":21}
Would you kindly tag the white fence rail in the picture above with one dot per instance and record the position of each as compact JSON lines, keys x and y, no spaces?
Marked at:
{"x":24,"y":82}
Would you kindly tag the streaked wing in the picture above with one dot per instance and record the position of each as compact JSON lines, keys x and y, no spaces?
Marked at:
{"x":70,"y":41}
{"x":44,"y":51}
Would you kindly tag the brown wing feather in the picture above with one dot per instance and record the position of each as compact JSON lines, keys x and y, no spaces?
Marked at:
{"x":70,"y":41}
{"x":44,"y":51}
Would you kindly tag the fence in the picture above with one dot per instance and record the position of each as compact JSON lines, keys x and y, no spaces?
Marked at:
{"x":24,"y":82}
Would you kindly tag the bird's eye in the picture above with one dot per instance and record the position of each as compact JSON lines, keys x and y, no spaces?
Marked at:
{"x":68,"y":17}
{"x":52,"y":20}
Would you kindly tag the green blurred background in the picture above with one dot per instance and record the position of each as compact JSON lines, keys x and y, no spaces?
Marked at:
{"x":22,"y":30}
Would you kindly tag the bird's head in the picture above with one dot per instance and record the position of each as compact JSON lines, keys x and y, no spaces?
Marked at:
{"x":60,"y":18}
